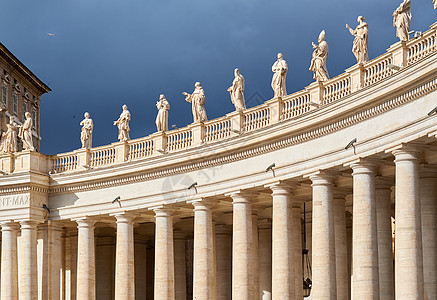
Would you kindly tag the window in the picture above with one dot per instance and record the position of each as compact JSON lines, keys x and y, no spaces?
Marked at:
{"x":15,"y":98}
{"x":24,"y":109}
{"x":34,"y":119}
{"x":5,"y":96}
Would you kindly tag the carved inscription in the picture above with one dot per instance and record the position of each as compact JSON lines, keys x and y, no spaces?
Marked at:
{"x":13,"y":200}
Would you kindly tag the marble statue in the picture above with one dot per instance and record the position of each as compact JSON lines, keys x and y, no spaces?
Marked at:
{"x":402,"y":20}
{"x":123,"y":125}
{"x":318,"y":62}
{"x":86,"y":135}
{"x":8,"y":142}
{"x":197,"y":100}
{"x":435,"y":4}
{"x":359,"y":48}
{"x":162,"y":117}
{"x":237,"y":91}
{"x":280,"y":69}
{"x":25,"y":133}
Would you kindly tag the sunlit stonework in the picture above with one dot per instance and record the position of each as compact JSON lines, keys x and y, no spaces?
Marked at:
{"x":240,"y":206}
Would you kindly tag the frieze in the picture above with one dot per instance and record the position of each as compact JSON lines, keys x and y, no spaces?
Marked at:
{"x":14,"y":200}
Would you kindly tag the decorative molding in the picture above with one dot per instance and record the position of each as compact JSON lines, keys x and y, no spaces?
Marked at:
{"x":23,"y":189}
{"x":351,"y":119}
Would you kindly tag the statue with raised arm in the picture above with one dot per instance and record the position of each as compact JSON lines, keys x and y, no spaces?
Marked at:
{"x":123,"y":125}
{"x":8,"y":142}
{"x":25,"y":133}
{"x":237,"y":91}
{"x":197,"y":100}
{"x":86,"y":135}
{"x":162,"y":117}
{"x":279,"y":69}
{"x":318,"y":62}
{"x":359,"y":48}
{"x":402,"y":20}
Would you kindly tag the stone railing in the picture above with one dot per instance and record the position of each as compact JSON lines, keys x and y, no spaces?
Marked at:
{"x":399,"y":55}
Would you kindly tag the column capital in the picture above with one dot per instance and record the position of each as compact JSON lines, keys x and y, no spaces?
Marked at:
{"x":265,"y":223}
{"x":281,"y":188}
{"x":9,"y":225}
{"x":242,"y":196}
{"x":405,"y":151}
{"x":201,"y":204}
{"x":125,"y":217}
{"x":29,"y":224}
{"x":85,"y":222}
{"x":322,"y":177}
{"x":163,"y":211}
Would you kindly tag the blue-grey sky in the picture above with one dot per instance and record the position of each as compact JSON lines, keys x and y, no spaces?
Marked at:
{"x":108,"y":53}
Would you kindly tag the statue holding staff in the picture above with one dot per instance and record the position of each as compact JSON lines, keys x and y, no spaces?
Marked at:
{"x":123,"y":125}
{"x":162,"y":117}
{"x":197,"y":100}
{"x":8,"y":142}
{"x":359,"y":48}
{"x":237,"y":91}
{"x":86,"y":135}
{"x":318,"y":62}
{"x":280,"y":69}
{"x":402,"y":20}
{"x":25,"y":133}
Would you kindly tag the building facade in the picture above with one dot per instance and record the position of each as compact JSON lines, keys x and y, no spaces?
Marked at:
{"x":215,"y":210}
{"x":21,"y":92}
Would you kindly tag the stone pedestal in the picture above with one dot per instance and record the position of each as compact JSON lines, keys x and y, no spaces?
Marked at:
{"x":323,"y":239}
{"x":408,"y":239}
{"x":86,"y":263}
{"x":124,"y":259}
{"x":164,"y":255}
{"x":365,"y":241}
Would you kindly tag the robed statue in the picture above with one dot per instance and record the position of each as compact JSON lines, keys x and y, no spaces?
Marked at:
{"x":8,"y":141}
{"x":162,"y":117}
{"x":359,"y":48}
{"x":197,"y":100}
{"x":86,"y":135}
{"x":402,"y":20}
{"x":123,"y":125}
{"x":318,"y":62}
{"x":279,"y":69}
{"x":237,"y":91}
{"x":25,"y":133}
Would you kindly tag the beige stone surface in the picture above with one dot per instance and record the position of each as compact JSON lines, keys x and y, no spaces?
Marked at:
{"x":9,"y":263}
{"x":341,"y":258}
{"x":86,"y":262}
{"x":265,"y":258}
{"x":223,"y":236}
{"x":180,"y":269}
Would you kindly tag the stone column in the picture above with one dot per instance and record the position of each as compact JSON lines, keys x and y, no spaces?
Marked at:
{"x":428,"y":200}
{"x":105,"y":268}
{"x":28,"y":278}
{"x":255,"y":261}
{"x":179,"y":268}
{"x":204,"y":266}
{"x":164,"y":255}
{"x":70,"y":272}
{"x":9,"y":265}
{"x":124,"y":258}
{"x":341,"y":257}
{"x":323,"y":238}
{"x":242,"y":243}
{"x":224,"y":261}
{"x":364,"y":233}
{"x":86,"y":261}
{"x":283,"y":282}
{"x":297,"y":249}
{"x":265,"y":259}
{"x":141,"y":267}
{"x":385,"y":241}
{"x":408,"y":239}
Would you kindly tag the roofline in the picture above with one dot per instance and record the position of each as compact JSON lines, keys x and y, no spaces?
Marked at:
{"x":23,"y":70}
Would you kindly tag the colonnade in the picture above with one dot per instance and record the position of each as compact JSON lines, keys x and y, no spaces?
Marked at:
{"x":258,"y":258}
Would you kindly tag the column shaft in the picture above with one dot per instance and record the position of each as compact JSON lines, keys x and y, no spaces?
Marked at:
{"x":179,"y":265}
{"x":224,"y":262}
{"x":323,"y":239}
{"x":265,"y":259}
{"x":241,"y":250}
{"x":105,"y":267}
{"x":140,"y":253}
{"x":124,"y":259}
{"x":9,"y":263}
{"x":28,"y":278}
{"x":385,"y":241}
{"x":164,"y":255}
{"x":204,"y":266}
{"x":428,"y":200}
{"x":408,"y":239}
{"x":297,"y":249}
{"x":86,"y":263}
{"x":365,"y":241}
{"x":341,"y":249}
{"x":255,"y":262}
{"x":70,"y":272}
